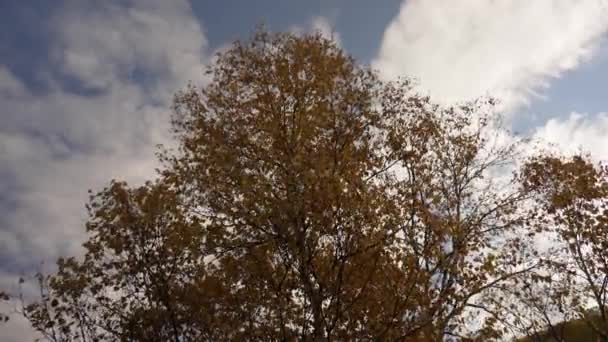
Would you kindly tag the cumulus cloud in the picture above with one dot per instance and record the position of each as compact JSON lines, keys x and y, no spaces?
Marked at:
{"x":509,"y":49}
{"x":114,"y":68}
{"x":577,"y":133}
{"x":322,"y":25}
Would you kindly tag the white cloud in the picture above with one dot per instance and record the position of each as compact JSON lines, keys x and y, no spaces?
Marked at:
{"x":105,"y":42}
{"x":127,"y":58}
{"x":578,"y":133}
{"x":510,"y":49}
{"x":326,"y":28}
{"x":10,"y":86}
{"x":322,"y":25}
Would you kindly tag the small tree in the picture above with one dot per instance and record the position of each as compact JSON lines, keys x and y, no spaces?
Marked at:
{"x":307,"y":200}
{"x":575,"y":209}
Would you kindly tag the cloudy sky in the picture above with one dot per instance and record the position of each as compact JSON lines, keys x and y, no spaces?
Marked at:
{"x":85,"y":86}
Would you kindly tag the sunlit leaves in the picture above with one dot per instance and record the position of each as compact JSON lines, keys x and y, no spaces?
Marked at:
{"x":307,"y":200}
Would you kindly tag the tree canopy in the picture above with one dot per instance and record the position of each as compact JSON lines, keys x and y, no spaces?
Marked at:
{"x":310,"y":200}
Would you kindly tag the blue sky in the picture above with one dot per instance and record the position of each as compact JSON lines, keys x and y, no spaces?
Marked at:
{"x":85,"y":86}
{"x":25,"y":27}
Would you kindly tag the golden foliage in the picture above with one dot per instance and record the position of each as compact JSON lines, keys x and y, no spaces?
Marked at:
{"x":308,"y":201}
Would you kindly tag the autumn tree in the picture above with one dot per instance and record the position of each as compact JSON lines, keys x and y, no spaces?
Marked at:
{"x":574,"y":203}
{"x":308,"y":200}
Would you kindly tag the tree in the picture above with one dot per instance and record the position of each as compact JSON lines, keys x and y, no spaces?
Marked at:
{"x":575,"y":210}
{"x":307,"y":200}
{"x":4,"y":297}
{"x":574,"y":330}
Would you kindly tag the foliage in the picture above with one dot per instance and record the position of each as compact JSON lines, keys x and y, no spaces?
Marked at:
{"x":574,"y":202}
{"x":308,"y":200}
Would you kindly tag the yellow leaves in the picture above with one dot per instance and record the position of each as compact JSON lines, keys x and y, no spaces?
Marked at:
{"x":307,"y":198}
